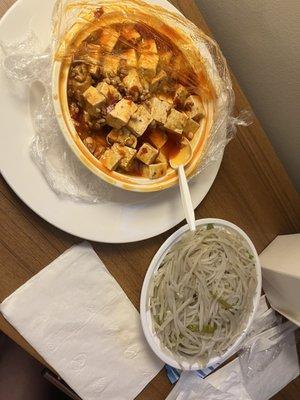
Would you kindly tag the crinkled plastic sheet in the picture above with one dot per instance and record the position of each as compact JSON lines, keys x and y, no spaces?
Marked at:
{"x":263,"y":349}
{"x":29,"y":69}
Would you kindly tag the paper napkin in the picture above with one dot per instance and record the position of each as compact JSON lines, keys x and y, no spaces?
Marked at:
{"x":79,"y":319}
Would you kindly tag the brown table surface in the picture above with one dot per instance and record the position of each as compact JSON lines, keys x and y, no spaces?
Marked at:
{"x":252,"y":190}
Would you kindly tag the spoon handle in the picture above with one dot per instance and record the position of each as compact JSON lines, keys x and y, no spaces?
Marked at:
{"x":186,"y":199}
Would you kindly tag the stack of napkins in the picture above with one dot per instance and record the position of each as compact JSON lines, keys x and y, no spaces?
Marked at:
{"x":79,"y":319}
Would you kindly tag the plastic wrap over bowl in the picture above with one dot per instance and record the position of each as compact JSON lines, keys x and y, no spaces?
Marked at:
{"x":76,"y":21}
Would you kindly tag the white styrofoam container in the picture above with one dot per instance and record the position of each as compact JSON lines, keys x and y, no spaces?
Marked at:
{"x":154,"y":342}
{"x":280,"y":263}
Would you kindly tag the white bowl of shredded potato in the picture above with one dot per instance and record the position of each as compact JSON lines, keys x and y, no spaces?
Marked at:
{"x":200,"y":294}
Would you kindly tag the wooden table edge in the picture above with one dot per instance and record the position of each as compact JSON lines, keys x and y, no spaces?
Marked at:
{"x":289,"y":201}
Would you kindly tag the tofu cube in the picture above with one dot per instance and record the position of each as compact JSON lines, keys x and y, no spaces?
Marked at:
{"x":160,"y":78}
{"x":111,"y":159}
{"x":130,"y":34}
{"x":108,"y":91}
{"x":181,"y":95}
{"x":93,"y":58}
{"x":94,"y":100}
{"x":130,"y":58}
{"x":147,"y":154}
{"x":132,"y":80}
{"x":103,"y":88}
{"x":161,"y":158}
{"x":111,"y":65}
{"x":147,"y":64}
{"x":154,"y":171}
{"x":159,"y":110}
{"x":127,"y":154}
{"x":121,"y":114}
{"x":139,"y":121}
{"x":191,"y":126}
{"x":166,"y":97}
{"x":158,"y":138}
{"x":176,"y":121}
{"x":147,"y":46}
{"x":94,"y":51}
{"x":194,"y":108}
{"x":123,"y":137}
{"x":92,"y":54}
{"x":108,"y":39}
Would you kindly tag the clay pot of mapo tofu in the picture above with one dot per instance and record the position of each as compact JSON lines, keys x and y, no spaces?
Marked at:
{"x":126,"y":92}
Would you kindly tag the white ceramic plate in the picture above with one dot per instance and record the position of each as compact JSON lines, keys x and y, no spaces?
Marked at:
{"x":145,"y":313}
{"x":132,"y":217}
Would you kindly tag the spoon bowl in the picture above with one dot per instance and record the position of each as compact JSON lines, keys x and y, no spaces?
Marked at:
{"x":183,"y":156}
{"x":178,"y":162}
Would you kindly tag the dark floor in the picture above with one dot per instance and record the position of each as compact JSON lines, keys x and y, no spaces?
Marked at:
{"x":20,"y":375}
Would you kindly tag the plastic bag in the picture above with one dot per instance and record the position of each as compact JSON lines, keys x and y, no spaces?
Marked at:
{"x":263,"y":348}
{"x":29,"y":66}
{"x":191,"y":387}
{"x":213,"y":66}
{"x":270,"y":361}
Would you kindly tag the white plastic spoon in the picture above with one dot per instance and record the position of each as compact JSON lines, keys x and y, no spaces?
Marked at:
{"x":178,"y":162}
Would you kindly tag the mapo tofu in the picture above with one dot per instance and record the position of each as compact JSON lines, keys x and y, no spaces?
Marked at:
{"x":129,"y":107}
